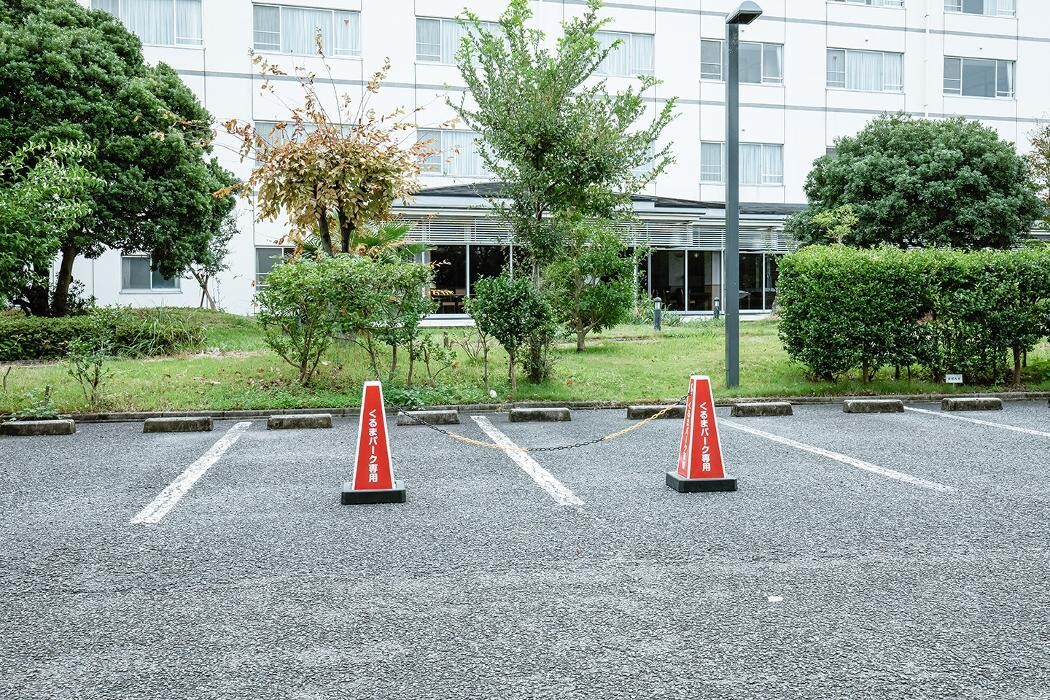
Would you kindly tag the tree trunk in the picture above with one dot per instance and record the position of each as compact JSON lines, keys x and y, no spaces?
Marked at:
{"x":1017,"y":366}
{"x":485,"y":367}
{"x":864,"y":371}
{"x":203,"y":280}
{"x":411,"y":367}
{"x":326,"y":234}
{"x":39,"y":304}
{"x":581,"y":334}
{"x":346,"y":232}
{"x":60,"y":303}
{"x":513,"y":376}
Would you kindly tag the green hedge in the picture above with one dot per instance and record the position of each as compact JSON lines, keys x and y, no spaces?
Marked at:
{"x":119,"y":331}
{"x":846,"y":309}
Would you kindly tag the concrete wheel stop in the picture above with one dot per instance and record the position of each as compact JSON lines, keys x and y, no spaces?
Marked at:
{"x":873,"y":406}
{"x":760,"y":409}
{"x":972,"y":403}
{"x":25,"y":428}
{"x":528,"y":415}
{"x":643,"y":412}
{"x":180,"y":424}
{"x":299,"y":421}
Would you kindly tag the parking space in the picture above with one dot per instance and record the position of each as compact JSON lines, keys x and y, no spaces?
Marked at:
{"x":820,"y":577}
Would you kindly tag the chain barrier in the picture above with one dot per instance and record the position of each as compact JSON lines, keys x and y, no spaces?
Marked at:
{"x":494,"y":446}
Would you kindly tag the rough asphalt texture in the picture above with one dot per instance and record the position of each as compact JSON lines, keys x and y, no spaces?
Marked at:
{"x":258,"y":584}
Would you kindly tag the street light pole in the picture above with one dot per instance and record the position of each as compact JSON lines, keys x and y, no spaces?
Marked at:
{"x":747,"y":13}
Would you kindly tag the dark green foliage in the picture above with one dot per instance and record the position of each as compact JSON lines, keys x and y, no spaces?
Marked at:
{"x":591,"y":286}
{"x":511,"y":311}
{"x":70,"y":74}
{"x":844,"y":309}
{"x":925,"y":183}
{"x":123,"y":332}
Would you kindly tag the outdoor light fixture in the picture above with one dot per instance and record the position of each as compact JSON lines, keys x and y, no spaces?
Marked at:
{"x":747,"y":13}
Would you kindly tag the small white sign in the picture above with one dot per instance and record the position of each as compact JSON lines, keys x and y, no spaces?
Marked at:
{"x":953,"y":379}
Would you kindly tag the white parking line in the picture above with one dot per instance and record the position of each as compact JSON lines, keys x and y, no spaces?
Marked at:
{"x":546,"y":481}
{"x":1027,"y":431}
{"x":844,"y":459}
{"x":178,"y":488}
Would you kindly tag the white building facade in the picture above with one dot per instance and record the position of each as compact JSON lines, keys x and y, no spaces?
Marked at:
{"x":812,"y":71}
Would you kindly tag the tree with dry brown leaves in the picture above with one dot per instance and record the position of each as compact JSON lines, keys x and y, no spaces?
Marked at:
{"x":331,"y":175}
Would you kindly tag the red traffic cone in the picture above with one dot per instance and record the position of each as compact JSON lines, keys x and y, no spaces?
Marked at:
{"x":700,"y":465}
{"x":373,"y":480}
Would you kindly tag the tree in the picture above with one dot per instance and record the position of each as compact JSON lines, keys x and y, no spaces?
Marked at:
{"x":509,"y":310}
{"x":591,"y":286}
{"x":559,"y":142}
{"x":821,"y":227}
{"x":927,"y":183}
{"x":331,"y":175}
{"x":73,"y":74}
{"x":44,"y":194}
{"x":1039,"y":162}
{"x":211,"y":261}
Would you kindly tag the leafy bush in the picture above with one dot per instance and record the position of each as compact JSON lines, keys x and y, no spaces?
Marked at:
{"x":124,"y":332}
{"x":511,"y":311}
{"x":844,"y":309}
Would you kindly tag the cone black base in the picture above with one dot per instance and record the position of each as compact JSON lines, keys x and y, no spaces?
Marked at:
{"x":352,"y":497}
{"x":683,"y":485}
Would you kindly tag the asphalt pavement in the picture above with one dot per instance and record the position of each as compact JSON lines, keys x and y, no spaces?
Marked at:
{"x":863,"y":556}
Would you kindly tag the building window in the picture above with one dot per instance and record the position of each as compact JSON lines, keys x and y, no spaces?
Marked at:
{"x":632,"y":56}
{"x":760,"y":64}
{"x":158,"y":22}
{"x":999,"y":8}
{"x":136,"y":276}
{"x":978,"y":77}
{"x":760,"y":163}
{"x":457,"y":154}
{"x":874,"y":3}
{"x":266,"y":258}
{"x":438,"y":40}
{"x":871,"y":71}
{"x":295,"y":30}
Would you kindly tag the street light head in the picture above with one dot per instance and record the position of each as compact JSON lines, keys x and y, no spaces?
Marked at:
{"x":747,"y":13}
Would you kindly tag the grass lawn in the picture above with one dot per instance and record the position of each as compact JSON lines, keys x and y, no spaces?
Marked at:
{"x":627,"y":363}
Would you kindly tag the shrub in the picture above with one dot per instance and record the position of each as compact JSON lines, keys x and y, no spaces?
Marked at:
{"x":511,"y":311}
{"x":124,"y":332}
{"x":844,"y":309}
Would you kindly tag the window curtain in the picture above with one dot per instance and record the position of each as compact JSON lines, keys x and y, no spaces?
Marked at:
{"x":864,"y":70}
{"x":188,"y":22}
{"x":772,"y":63}
{"x":347,"y":34}
{"x":750,"y":62}
{"x":267,"y":28}
{"x":153,"y":21}
{"x":428,"y":39}
{"x":772,"y":164}
{"x":750,"y":164}
{"x":110,"y":6}
{"x":711,"y":59}
{"x":452,"y":33}
{"x":462,"y":150}
{"x":299,"y":28}
{"x":642,"y":54}
{"x":618,"y":60}
{"x":711,"y":162}
{"x":435,"y":162}
{"x":893,"y":72}
{"x":836,"y":68}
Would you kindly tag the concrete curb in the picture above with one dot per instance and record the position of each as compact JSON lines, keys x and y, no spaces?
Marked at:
{"x":299,"y":421}
{"x":136,"y":416}
{"x":181,"y":424}
{"x":873,"y":406}
{"x":986,"y":403}
{"x":532,"y":415}
{"x":444,"y":417}
{"x":26,"y":428}
{"x":761,"y":409}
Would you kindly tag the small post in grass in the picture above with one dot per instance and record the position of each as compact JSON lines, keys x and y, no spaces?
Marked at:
{"x":656,"y":313}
